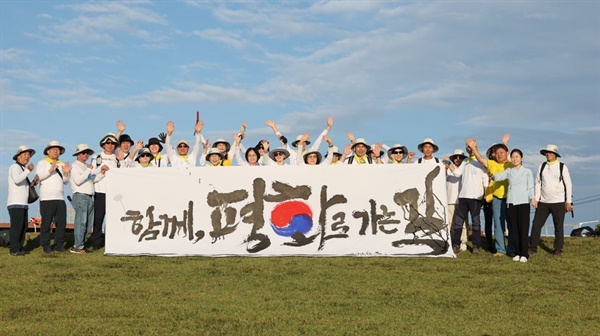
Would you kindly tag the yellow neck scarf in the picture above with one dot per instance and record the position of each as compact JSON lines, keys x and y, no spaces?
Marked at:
{"x":49,"y":160}
{"x":185,"y":157}
{"x":360,"y":159}
{"x":553,"y":162}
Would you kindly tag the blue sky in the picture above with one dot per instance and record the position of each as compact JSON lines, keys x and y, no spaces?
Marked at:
{"x":388,"y":71}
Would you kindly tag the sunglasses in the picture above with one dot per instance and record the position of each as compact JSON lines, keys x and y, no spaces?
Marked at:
{"x":145,"y":155}
{"x":110,"y":143}
{"x":85,"y":153}
{"x":182,"y":145}
{"x":279,"y":154}
{"x":397,"y":152}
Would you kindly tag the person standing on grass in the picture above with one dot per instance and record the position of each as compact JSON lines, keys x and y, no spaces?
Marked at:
{"x":17,"y":200}
{"x":82,"y":185}
{"x":520,"y":194}
{"x":553,"y":195}
{"x":453,"y":187}
{"x":499,"y":191}
{"x":474,"y":180}
{"x":53,"y":175}
{"x":105,"y":161}
{"x":488,"y":213}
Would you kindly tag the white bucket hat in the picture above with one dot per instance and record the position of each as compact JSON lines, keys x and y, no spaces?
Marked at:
{"x":550,"y":149}
{"x":53,"y":144}
{"x":313,"y":151}
{"x":111,"y":137}
{"x":21,"y":149}
{"x":82,"y":148}
{"x":227,"y":144}
{"x":428,"y":141}
{"x":213,"y":151}
{"x":295,"y":143}
{"x":458,"y":152}
{"x":361,"y":141}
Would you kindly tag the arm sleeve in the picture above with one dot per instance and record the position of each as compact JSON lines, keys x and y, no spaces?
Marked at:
{"x":78,"y":176}
{"x":238,"y":156}
{"x":299,"y":156}
{"x":196,"y":149}
{"x":530,"y":188}
{"x":42,"y":170}
{"x":538,"y":185}
{"x":503,"y":175}
{"x":568,"y":184}
{"x":170,"y":151}
{"x":17,"y":175}
{"x":329,"y":158}
{"x":318,"y":140}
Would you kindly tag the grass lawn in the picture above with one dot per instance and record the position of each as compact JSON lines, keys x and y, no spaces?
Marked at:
{"x":93,"y":294}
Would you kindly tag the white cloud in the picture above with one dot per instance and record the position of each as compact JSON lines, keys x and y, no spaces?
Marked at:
{"x":13,"y":55}
{"x":202,"y":93}
{"x":12,"y":101}
{"x":231,"y":39}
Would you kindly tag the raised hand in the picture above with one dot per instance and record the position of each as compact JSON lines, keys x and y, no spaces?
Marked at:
{"x":328,"y":140}
{"x":329,"y":122}
{"x":350,"y":137}
{"x":170,"y":128}
{"x":472,"y":143}
{"x":270,"y":123}
{"x":411,"y":155}
{"x":348,"y":149}
{"x":505,"y":138}
{"x":139,"y":145}
{"x":198,"y":126}
{"x":162,"y":137}
{"x":30,"y":167}
{"x":66,"y":168}
{"x":120,"y":126}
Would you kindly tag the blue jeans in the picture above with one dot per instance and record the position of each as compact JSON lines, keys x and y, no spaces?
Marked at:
{"x":84,"y":217}
{"x":499,"y":209}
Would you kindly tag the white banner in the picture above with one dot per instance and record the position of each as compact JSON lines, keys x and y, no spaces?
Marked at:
{"x":347,"y":210}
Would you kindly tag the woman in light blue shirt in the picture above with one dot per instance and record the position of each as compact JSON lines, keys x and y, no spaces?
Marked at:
{"x":520,"y":195}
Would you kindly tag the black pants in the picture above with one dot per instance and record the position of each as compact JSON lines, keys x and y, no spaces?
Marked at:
{"x":488,"y":214}
{"x":53,"y":211}
{"x":18,"y":228}
{"x":99,"y":213}
{"x":466,"y":206}
{"x":519,"y":223}
{"x":539,"y":219}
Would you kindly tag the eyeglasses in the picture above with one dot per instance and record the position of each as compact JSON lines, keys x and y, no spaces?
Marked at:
{"x":397,"y":152}
{"x":279,"y":154}
{"x":182,"y":145}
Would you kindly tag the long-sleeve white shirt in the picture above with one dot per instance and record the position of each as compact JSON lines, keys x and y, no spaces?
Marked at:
{"x":181,"y":161}
{"x":18,"y":189}
{"x":550,"y":189}
{"x":110,"y":160}
{"x":82,"y":179}
{"x":51,"y":184}
{"x":473,"y":177}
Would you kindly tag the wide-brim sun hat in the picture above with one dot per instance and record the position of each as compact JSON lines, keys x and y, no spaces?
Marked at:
{"x":227,"y":144}
{"x":283,"y":150}
{"x":183,"y":142}
{"x":550,"y":149}
{"x":111,"y":137}
{"x":22,"y":149}
{"x":428,"y":141}
{"x":213,"y":151}
{"x":82,"y":148}
{"x":144,"y":151}
{"x":295,"y":142}
{"x":155,"y":141}
{"x":313,"y":151}
{"x":397,"y":146}
{"x":360,"y":141}
{"x":54,"y":144}
{"x":458,"y":152}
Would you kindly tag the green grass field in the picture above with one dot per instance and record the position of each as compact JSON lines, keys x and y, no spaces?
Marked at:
{"x":63,"y":294}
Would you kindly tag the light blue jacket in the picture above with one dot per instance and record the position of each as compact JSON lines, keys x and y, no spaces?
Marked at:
{"x":520,"y":184}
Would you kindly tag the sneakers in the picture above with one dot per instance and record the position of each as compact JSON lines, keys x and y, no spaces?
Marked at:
{"x":48,"y":250}
{"x":516,"y":258}
{"x":475,"y":250}
{"x":463,"y":247}
{"x":522,"y":259}
{"x":79,"y":251}
{"x":17,"y":254}
{"x":498,"y":254}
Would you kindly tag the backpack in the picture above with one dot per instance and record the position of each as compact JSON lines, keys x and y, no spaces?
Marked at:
{"x":436,"y":160}
{"x":351,"y":159}
{"x":4,"y":238}
{"x":560,"y":179}
{"x":589,"y":232}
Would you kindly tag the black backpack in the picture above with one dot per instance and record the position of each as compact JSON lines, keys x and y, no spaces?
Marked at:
{"x":4,"y":238}
{"x":584,"y":231}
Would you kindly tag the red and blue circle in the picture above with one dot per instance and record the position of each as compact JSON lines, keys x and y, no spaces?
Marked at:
{"x":290,"y":217}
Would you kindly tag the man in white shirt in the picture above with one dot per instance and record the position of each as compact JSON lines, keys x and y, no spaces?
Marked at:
{"x":53,"y":175}
{"x":453,"y":186}
{"x":428,"y":148}
{"x":181,"y":157}
{"x":474,"y":181}
{"x":553,"y":195}
{"x":82,"y":185}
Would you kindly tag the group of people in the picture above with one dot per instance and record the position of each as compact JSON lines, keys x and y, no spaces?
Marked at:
{"x":506,"y":191}
{"x":469,"y":184}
